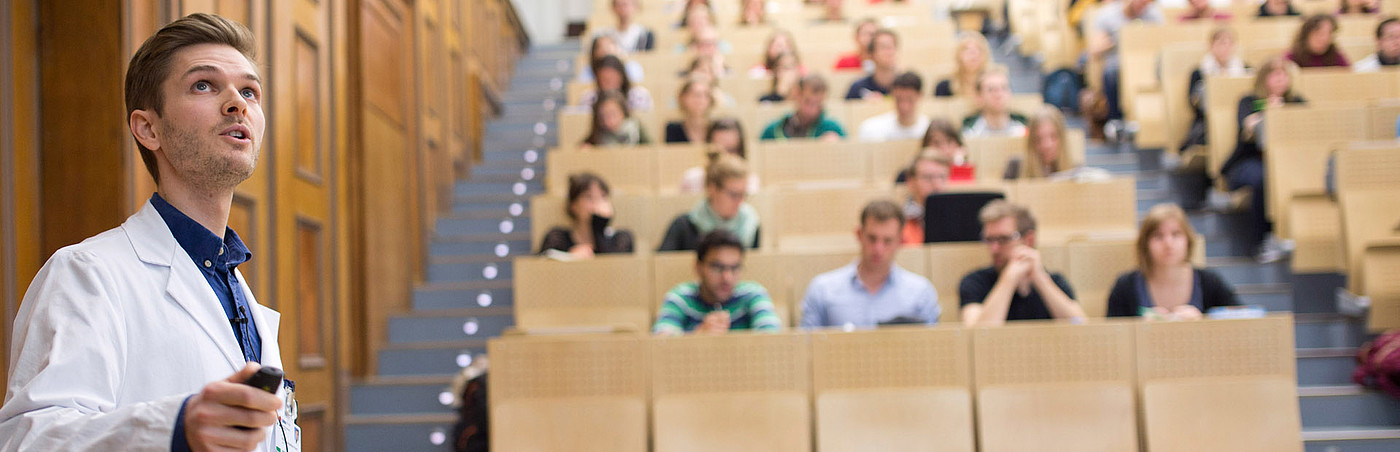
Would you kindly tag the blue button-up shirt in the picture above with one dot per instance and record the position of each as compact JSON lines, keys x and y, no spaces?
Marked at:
{"x":838,"y":298}
{"x":216,"y":260}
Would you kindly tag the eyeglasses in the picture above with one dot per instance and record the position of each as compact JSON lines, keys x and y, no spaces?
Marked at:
{"x":1001,"y":239}
{"x":722,"y":269}
{"x":735,"y":195}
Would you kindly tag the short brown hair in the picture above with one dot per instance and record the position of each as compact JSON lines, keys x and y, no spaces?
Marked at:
{"x":1156,"y":217}
{"x":999,"y":209}
{"x":881,"y":210}
{"x":150,"y":66}
{"x":814,"y":82}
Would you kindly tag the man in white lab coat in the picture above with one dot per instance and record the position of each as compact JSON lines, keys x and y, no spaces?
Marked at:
{"x":139,"y":338}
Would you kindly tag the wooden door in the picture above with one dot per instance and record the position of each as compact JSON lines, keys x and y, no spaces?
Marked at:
{"x":304,"y":147}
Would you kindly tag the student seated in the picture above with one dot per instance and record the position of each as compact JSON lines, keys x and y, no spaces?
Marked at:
{"x":631,"y":36}
{"x":590,"y":211}
{"x":944,"y":139}
{"x":832,"y":11}
{"x":1387,"y":48}
{"x":612,"y":76}
{"x":1315,"y":44}
{"x":884,"y":52}
{"x":994,"y":119}
{"x":604,"y":45}
{"x":973,"y":58}
{"x":926,"y":176}
{"x":1220,"y":59}
{"x":808,"y":119}
{"x":1165,"y":286}
{"x":865,"y":30}
{"x":725,"y":136}
{"x":1102,"y":42}
{"x":718,"y":302}
{"x":613,"y":125}
{"x":873,"y":290}
{"x":726,"y":186}
{"x":905,"y":122}
{"x":786,"y":73}
{"x":780,"y":42}
{"x":695,"y":101}
{"x":1277,"y":8}
{"x":1047,"y":145}
{"x":1017,"y":286}
{"x":1273,"y":87}
{"x":705,"y":44}
{"x":753,"y":13}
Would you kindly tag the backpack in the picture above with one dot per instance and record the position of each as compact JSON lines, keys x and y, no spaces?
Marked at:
{"x":1378,"y":364}
{"x":1061,"y":89}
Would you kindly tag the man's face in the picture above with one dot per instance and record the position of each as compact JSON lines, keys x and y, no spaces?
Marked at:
{"x":906,"y":102}
{"x":886,"y":53}
{"x":995,"y":92}
{"x":706,"y":42}
{"x":211,"y":127}
{"x":1389,"y":42}
{"x":1002,"y":239}
{"x":624,"y":9}
{"x":809,"y":104}
{"x":726,"y":198}
{"x":879,"y":241}
{"x":929,"y":178}
{"x":719,"y":273}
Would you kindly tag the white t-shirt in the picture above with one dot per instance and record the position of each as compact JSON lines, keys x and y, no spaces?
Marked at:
{"x":886,"y":128}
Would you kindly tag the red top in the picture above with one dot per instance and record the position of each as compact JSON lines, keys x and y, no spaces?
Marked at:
{"x":962,"y":173}
{"x":849,"y":61}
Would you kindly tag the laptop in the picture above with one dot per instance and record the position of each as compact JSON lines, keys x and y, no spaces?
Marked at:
{"x":952,"y":217}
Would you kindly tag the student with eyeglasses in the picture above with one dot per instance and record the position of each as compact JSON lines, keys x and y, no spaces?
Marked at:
{"x":726,"y":187}
{"x":718,"y":301}
{"x":1016,"y":286}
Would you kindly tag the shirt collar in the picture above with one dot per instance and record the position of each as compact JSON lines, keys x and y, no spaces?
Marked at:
{"x":855,"y":276}
{"x":197,"y":241}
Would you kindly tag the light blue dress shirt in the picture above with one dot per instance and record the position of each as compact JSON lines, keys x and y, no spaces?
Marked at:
{"x":838,"y":299}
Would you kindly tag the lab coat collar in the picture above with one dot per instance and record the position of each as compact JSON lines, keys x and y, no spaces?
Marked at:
{"x":155,"y":245}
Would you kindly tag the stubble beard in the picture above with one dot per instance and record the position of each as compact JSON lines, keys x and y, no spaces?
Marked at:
{"x":202,"y":167}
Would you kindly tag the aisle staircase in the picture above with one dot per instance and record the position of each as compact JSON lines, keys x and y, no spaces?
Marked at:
{"x":467,"y":296}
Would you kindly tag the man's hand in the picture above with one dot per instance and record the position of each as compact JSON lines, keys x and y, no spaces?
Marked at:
{"x":716,"y":322}
{"x":829,"y":137}
{"x":212,"y":416}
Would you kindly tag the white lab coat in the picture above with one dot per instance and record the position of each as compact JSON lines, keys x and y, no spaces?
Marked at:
{"x":113,"y":334}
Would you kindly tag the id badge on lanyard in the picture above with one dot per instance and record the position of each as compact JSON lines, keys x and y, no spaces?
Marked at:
{"x":286,"y":435}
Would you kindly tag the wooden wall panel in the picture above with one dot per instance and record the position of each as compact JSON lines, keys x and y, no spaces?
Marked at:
{"x":386,"y":190}
{"x":20,"y":254}
{"x":82,"y":67}
{"x":312,"y":420}
{"x":310,"y":294}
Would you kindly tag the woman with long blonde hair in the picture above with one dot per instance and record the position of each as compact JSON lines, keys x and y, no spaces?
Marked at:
{"x":973,"y":56}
